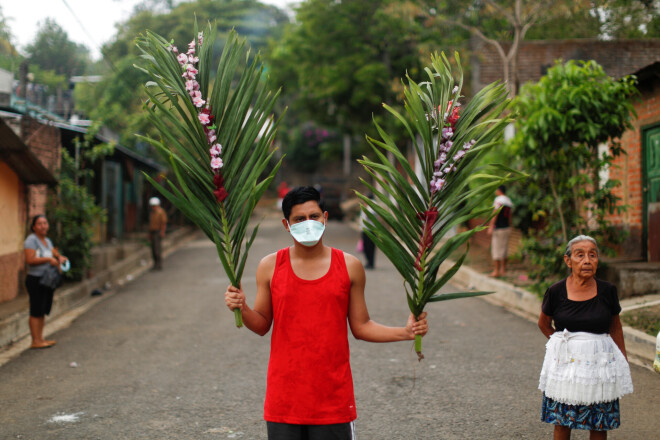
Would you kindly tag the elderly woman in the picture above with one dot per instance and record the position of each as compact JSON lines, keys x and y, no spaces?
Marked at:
{"x":39,"y":254}
{"x":585,"y":370}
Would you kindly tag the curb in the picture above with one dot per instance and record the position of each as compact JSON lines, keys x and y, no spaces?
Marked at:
{"x":73,"y":300}
{"x":640,"y":347}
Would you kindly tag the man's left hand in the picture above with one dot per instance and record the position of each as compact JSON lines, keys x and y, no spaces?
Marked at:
{"x":418,"y":326}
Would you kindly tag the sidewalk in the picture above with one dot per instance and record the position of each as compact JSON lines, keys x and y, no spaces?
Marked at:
{"x":73,"y":299}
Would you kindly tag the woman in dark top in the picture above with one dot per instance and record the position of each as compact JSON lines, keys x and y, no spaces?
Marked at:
{"x":585,"y":370}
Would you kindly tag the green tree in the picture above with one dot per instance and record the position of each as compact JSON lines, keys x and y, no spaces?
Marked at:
{"x":505,"y":24}
{"x":52,"y":50}
{"x":72,"y":210}
{"x":6,"y":46}
{"x":339,"y":61}
{"x":562,"y":121}
{"x":628,"y":18}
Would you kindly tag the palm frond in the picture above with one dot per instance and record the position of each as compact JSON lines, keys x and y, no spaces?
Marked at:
{"x":411,"y":214}
{"x":218,"y":198}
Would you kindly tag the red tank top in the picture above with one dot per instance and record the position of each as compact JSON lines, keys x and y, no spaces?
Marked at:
{"x":309,"y":373}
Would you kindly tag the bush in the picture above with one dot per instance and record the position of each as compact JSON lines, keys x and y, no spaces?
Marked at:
{"x":72,"y":212}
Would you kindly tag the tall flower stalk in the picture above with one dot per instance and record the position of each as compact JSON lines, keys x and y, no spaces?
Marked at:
{"x":215,"y":133}
{"x":411,"y":213}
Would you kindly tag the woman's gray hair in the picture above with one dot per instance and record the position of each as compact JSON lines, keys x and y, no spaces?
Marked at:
{"x":577,"y":239}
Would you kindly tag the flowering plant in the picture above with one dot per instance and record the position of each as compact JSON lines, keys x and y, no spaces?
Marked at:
{"x":412,"y":212}
{"x":216,"y":136}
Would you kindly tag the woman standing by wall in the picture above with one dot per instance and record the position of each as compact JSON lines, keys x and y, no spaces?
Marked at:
{"x":39,"y":255}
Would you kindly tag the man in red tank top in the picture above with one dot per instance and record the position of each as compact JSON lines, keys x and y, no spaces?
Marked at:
{"x":306,"y":292}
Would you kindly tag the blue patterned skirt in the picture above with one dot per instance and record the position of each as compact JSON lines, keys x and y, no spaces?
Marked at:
{"x":595,"y":417}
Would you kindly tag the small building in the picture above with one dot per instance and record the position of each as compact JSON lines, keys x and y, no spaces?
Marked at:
{"x":20,"y":172}
{"x":639,"y":171}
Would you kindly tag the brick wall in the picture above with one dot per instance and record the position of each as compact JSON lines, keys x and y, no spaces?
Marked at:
{"x":45,"y":142}
{"x":629,"y":168}
{"x":618,"y":58}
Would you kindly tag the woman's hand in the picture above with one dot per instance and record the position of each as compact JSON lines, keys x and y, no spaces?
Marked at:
{"x":54,"y":262}
{"x":234,"y":298}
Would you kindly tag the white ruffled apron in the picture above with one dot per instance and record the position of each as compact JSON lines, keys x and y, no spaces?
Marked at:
{"x":584,"y":368}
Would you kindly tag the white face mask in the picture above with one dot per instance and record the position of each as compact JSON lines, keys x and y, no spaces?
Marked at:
{"x":307,"y":233}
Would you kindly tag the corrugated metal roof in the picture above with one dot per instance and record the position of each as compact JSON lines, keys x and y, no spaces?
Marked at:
{"x":23,"y":161}
{"x":119,"y":150}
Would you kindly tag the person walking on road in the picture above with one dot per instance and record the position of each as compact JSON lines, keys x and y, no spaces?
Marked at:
{"x":306,"y":292}
{"x":500,"y":231}
{"x":157,"y":228}
{"x":39,"y":255}
{"x":585,"y":370}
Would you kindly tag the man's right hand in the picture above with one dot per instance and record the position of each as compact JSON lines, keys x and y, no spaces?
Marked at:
{"x":234,"y":298}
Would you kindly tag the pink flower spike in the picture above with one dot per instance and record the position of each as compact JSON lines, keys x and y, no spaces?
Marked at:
{"x":216,"y":150}
{"x":191,"y":69}
{"x":188,"y":75}
{"x":182,"y":58}
{"x":204,"y":118}
{"x":216,"y":163}
{"x":198,"y":102}
{"x":193,"y":59}
{"x":191,"y":85}
{"x":197,"y":99}
{"x":211,"y":136}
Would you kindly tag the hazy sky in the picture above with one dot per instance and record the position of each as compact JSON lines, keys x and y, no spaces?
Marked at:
{"x":98,"y":18}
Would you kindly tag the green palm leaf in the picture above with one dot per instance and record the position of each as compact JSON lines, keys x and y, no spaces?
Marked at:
{"x":410,"y":214}
{"x":241,"y":106}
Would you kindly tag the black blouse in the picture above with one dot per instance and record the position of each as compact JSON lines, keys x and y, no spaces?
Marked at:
{"x":593,"y":315}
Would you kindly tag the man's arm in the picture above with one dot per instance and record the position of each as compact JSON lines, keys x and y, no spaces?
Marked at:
{"x":260,"y":317}
{"x":361,"y":324}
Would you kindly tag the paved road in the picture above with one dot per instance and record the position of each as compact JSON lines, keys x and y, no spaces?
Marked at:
{"x":161,"y":359}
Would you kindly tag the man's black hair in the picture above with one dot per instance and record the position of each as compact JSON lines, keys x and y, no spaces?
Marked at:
{"x":502,"y":188}
{"x":298,"y":196}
